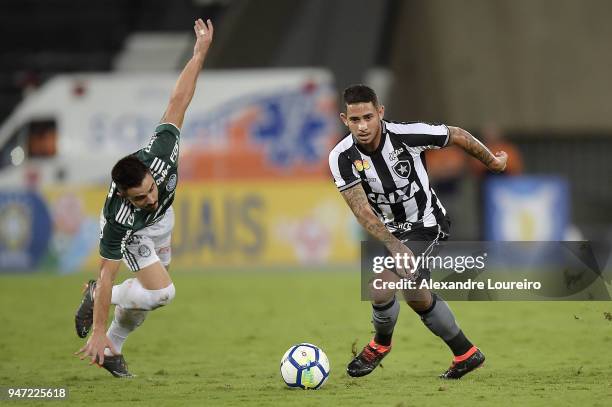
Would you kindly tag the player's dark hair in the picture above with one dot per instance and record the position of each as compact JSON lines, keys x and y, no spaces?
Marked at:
{"x":359,"y":94}
{"x":128,"y":173}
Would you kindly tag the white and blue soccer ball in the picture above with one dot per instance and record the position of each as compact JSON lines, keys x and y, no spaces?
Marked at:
{"x":304,"y":366}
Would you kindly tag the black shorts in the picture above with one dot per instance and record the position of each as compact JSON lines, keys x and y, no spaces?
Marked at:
{"x":425,"y":241}
{"x":421,"y":238}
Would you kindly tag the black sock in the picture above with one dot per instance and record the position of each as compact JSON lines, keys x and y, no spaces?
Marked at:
{"x":383,"y":339}
{"x":441,"y":321}
{"x":459,"y":344}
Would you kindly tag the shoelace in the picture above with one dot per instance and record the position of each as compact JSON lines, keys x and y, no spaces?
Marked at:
{"x":369,"y":354}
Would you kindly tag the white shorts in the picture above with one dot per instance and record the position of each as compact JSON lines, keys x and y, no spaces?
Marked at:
{"x":151,"y":244}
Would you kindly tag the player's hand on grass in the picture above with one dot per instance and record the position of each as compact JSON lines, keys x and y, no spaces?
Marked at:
{"x":204,"y":35}
{"x":499,"y":164}
{"x":94,"y":349}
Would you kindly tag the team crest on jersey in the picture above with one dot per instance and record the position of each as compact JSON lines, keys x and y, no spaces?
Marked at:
{"x":171,"y":183}
{"x":361,"y":165}
{"x":402,"y":168}
{"x":144,"y":251}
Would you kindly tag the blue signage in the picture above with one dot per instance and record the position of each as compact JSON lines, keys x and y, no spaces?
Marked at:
{"x":25,"y":230}
{"x":526,"y":208}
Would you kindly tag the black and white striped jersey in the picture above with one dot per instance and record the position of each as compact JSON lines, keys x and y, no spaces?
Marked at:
{"x":394,"y":176}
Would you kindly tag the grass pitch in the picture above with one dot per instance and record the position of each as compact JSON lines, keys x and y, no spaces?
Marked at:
{"x":221,"y":340}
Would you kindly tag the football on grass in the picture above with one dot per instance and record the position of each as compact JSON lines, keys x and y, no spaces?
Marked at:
{"x":304,"y":366}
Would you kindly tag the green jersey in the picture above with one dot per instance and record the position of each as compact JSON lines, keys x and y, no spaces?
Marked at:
{"x":120,"y":219}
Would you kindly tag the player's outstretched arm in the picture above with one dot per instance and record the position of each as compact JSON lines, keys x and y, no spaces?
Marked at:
{"x":94,"y":349}
{"x":185,"y":85}
{"x":357,"y":200}
{"x":495,"y":162}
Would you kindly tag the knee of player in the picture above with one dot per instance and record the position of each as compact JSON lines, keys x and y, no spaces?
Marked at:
{"x":419,"y":305}
{"x":160,"y":298}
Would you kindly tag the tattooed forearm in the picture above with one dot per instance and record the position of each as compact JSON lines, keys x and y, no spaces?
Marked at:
{"x":356,"y":199}
{"x":471,"y":145}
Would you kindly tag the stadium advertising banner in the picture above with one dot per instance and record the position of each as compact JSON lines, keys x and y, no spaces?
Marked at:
{"x":236,"y":224}
{"x":25,"y":230}
{"x":526,"y":208}
{"x":75,"y":216}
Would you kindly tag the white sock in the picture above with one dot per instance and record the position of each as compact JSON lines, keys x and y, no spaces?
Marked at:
{"x":124,"y":322}
{"x":132,"y":302}
{"x":132,"y":295}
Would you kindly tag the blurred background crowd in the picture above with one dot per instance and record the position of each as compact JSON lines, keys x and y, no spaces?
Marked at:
{"x":83,"y":83}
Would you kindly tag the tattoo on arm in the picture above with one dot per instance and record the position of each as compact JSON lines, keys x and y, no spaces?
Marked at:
{"x":471,"y":145}
{"x":356,"y":199}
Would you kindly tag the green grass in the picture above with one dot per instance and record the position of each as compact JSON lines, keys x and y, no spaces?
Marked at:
{"x":220,"y":342}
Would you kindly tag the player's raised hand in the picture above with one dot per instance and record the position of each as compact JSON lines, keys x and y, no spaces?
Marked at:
{"x":204,"y":35}
{"x":499,"y":164}
{"x":94,"y":348}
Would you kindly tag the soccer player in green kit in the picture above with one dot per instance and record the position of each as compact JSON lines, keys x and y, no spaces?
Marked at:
{"x":136,"y":226}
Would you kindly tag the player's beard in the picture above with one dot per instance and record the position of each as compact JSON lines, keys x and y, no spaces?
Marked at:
{"x":152,"y":208}
{"x":364,"y":138}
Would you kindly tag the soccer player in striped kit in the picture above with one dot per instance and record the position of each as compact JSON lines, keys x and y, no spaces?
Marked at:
{"x":379,"y":168}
